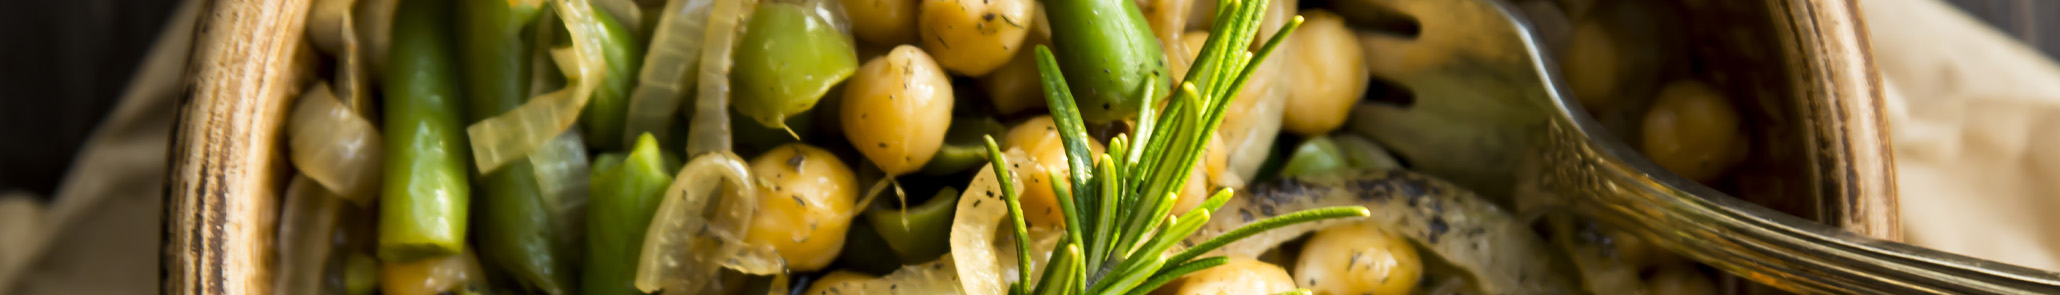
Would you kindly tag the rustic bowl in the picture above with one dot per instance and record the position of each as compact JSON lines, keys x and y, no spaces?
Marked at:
{"x":1815,"y":104}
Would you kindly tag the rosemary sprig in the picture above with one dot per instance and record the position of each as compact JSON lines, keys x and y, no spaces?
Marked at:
{"x":1115,"y":204}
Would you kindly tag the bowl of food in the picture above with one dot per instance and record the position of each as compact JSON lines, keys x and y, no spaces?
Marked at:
{"x":1063,"y":146}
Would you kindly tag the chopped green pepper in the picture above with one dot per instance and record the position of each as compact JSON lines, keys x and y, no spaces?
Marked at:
{"x":1315,"y":156}
{"x":917,"y":233}
{"x":608,"y":111}
{"x":1361,"y":153}
{"x":625,"y":191}
{"x":963,"y":146}
{"x":791,"y":58}
{"x":862,"y":238}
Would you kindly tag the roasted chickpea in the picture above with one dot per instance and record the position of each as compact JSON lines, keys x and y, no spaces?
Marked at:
{"x":1331,"y":75}
{"x":1679,"y":280}
{"x":895,"y":111}
{"x":836,"y":282}
{"x":883,"y":21}
{"x":1240,"y":276}
{"x":1016,"y":86}
{"x":1592,"y":65}
{"x":1694,"y":132}
{"x":1358,"y":258}
{"x":437,"y":275}
{"x":973,"y":37}
{"x":1039,"y":139}
{"x":804,"y":204}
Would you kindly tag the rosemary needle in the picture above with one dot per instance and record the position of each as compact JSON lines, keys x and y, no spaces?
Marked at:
{"x":1115,"y":205}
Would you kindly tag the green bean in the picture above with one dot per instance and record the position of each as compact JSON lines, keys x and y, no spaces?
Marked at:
{"x":1107,"y":52}
{"x":422,"y":212}
{"x":625,"y":192}
{"x":520,"y":234}
{"x":917,"y":233}
{"x":609,"y":109}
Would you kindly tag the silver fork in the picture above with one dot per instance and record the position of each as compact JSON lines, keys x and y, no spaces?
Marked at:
{"x":1507,"y":126}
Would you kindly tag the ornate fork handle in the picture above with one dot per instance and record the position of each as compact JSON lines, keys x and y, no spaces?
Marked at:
{"x":1612,"y":184}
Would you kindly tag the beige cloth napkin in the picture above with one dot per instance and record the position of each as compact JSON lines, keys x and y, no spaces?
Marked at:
{"x":1971,"y":112}
{"x":1975,"y":118}
{"x":101,"y":232}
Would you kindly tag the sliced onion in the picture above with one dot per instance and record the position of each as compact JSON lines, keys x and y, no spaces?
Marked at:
{"x":332,"y":27}
{"x":626,"y":12}
{"x":699,"y":228}
{"x":1603,"y":269}
{"x":934,"y":277}
{"x":374,"y":22}
{"x":977,"y":235}
{"x":352,"y":74}
{"x":307,"y":223}
{"x":1498,"y":252}
{"x":669,"y":68}
{"x":333,"y":145}
{"x":1252,"y":123}
{"x":512,"y":135}
{"x":562,"y":174}
{"x":710,"y":131}
{"x":326,"y":20}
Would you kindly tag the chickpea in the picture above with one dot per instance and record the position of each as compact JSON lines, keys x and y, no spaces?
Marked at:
{"x":1693,"y":131}
{"x":1331,"y":75}
{"x":437,"y":275}
{"x":973,"y":37}
{"x":896,"y":109}
{"x":836,"y":282}
{"x":1016,"y":86}
{"x":1240,"y":276}
{"x":888,"y":22}
{"x":1039,"y":139}
{"x":1591,"y":65}
{"x":1358,"y":258}
{"x":804,"y":204}
{"x":1680,"y":280}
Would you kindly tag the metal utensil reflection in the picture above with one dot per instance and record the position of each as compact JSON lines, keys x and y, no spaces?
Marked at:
{"x":1490,"y":114}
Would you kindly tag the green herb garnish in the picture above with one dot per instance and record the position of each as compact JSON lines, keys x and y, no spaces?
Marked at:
{"x":1115,"y":212}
